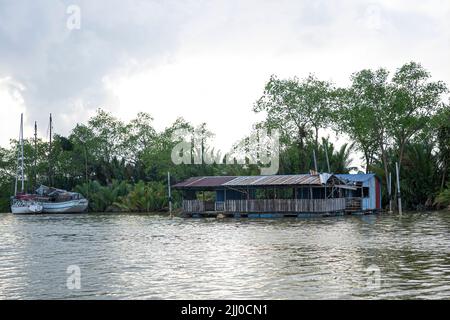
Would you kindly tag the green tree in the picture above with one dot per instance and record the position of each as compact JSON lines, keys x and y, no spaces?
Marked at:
{"x":368,"y":103}
{"x":356,"y":119}
{"x":295,"y":107}
{"x":416,"y":100}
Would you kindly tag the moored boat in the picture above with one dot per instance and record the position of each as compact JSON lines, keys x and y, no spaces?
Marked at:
{"x":45,"y":199}
{"x":21,"y":202}
{"x":73,"y":206}
{"x":25,"y":204}
{"x":61,"y":201}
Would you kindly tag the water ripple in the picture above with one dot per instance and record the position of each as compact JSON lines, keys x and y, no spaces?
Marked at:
{"x":153,"y":257}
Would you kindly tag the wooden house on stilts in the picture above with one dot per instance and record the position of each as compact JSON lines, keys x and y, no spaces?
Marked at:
{"x":272,"y":196}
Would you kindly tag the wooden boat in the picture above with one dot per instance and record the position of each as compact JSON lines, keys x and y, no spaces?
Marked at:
{"x":61,"y":201}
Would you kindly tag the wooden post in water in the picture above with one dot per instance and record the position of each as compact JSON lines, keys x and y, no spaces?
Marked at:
{"x":225,"y":199}
{"x":389,"y":187}
{"x":398,"y":189}
{"x":170,"y":194}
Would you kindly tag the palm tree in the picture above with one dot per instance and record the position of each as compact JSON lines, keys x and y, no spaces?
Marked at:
{"x":340,"y":160}
{"x":102,"y":198}
{"x":144,"y":197}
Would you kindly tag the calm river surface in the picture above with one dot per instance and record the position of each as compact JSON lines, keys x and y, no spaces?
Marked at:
{"x":154,"y":257}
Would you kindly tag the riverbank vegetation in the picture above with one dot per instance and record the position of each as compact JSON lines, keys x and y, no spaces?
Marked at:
{"x":386,"y":118}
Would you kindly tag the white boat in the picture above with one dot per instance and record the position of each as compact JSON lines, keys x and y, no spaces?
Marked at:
{"x":72,"y":206}
{"x":57,"y":200}
{"x":21,"y":206}
{"x":23,"y":203}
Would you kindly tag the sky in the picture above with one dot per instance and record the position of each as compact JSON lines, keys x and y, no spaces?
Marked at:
{"x":205,"y":61}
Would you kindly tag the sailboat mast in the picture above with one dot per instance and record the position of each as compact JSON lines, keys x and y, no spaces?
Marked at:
{"x":18,"y":164}
{"x":50,"y":153}
{"x":21,"y":151}
{"x":35,"y":153}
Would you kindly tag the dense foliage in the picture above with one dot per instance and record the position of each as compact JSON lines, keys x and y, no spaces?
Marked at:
{"x":123,"y":166}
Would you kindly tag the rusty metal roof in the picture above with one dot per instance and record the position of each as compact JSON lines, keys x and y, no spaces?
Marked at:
{"x":248,"y":181}
{"x":299,"y":179}
{"x":204,"y":182}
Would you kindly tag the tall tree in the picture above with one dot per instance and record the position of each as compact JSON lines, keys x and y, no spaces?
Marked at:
{"x":356,"y":119}
{"x":442,"y":124}
{"x":295,"y":107}
{"x":416,"y":100}
{"x":368,"y":108}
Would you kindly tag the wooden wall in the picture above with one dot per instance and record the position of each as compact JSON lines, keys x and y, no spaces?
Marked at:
{"x":268,"y":205}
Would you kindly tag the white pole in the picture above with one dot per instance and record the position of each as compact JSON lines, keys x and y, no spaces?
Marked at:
{"x":170,"y":194}
{"x":398,"y":189}
{"x":315,"y":161}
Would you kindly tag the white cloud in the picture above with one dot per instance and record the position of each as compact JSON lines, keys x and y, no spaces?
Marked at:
{"x":11,"y":106}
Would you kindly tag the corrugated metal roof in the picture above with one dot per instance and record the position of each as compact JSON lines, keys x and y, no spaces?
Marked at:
{"x":299,"y":179}
{"x":248,"y":181}
{"x":204,"y":182}
{"x":359,"y":177}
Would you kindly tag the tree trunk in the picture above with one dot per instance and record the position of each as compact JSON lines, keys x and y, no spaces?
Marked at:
{"x":300,"y":148}
{"x":400,"y":156}
{"x":300,"y":155}
{"x":366,"y":157}
{"x":317,"y":139}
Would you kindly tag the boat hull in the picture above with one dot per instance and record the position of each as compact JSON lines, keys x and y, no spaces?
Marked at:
{"x":27,"y":208}
{"x":72,"y":206}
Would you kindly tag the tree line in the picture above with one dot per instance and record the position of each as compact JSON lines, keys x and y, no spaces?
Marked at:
{"x":403,"y":117}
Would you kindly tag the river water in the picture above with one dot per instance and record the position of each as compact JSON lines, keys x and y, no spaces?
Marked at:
{"x":110,"y":256}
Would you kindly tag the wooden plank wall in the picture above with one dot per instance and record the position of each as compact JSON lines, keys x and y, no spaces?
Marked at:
{"x":269,"y":205}
{"x":193,"y":206}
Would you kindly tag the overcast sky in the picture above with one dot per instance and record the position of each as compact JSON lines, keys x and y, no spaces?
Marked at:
{"x":206,"y":61}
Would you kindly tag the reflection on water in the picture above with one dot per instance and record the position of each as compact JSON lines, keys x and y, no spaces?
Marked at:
{"x":153,"y":257}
